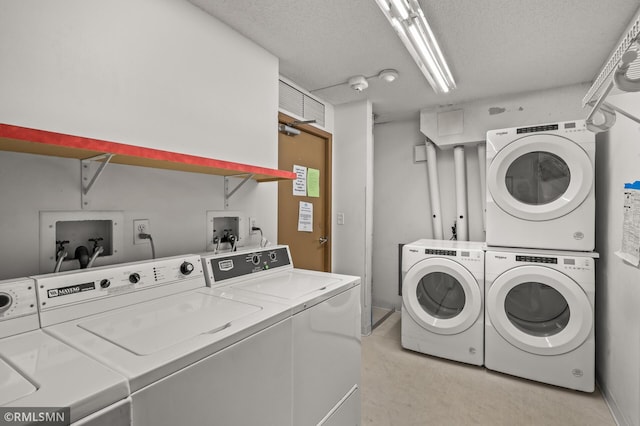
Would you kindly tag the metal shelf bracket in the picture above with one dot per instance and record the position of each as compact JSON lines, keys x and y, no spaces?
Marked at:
{"x":86,"y":175}
{"x":228,"y":194}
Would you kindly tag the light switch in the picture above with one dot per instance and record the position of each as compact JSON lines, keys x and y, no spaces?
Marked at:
{"x":340,"y":218}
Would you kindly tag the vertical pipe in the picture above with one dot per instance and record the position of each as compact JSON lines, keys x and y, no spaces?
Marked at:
{"x":461,"y":193}
{"x":434,"y":190}
{"x":482,"y":167}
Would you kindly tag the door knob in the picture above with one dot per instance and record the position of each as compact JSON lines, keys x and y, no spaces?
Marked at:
{"x":323,"y":240}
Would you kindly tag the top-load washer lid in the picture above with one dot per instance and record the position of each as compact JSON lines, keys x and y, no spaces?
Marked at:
{"x":268,"y":274}
{"x":152,"y":327}
{"x":289,"y":285}
{"x":154,"y":339}
{"x":297,"y":288}
{"x":44,"y":372}
{"x":13,"y":384}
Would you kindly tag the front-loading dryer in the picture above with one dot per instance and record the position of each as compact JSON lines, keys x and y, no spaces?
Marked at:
{"x":539,"y":321}
{"x":540,"y":187}
{"x":442,"y":299}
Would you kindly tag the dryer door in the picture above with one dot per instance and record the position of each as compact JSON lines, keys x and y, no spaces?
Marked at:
{"x":540,"y":177}
{"x":539,"y":310}
{"x":442,"y":296}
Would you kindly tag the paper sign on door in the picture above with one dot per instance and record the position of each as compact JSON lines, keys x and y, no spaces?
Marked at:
{"x":300,"y":184}
{"x":305,"y":217}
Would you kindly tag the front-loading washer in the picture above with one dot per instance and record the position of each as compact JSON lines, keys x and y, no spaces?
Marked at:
{"x":541,"y":187}
{"x":442,"y":299}
{"x":190,"y":356}
{"x":325,"y":311}
{"x":539,"y":321}
{"x":43,"y":378}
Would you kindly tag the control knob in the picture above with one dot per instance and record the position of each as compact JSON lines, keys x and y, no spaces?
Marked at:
{"x":255,"y":259}
{"x":186,"y":268}
{"x":5,"y":302}
{"x":134,"y":278}
{"x":105,"y":283}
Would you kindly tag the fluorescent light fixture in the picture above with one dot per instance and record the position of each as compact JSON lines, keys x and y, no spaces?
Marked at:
{"x":408,"y":20}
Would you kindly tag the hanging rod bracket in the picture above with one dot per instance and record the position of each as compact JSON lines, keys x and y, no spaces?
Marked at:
{"x":228,"y":194}
{"x":86,"y":174}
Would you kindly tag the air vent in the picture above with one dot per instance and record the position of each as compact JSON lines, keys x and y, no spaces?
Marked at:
{"x":297,"y":103}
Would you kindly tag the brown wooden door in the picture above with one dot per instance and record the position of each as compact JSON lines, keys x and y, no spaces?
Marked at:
{"x":310,"y":149}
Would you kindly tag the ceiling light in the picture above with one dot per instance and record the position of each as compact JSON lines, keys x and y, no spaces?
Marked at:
{"x":358,"y":83}
{"x":388,"y":75}
{"x":408,"y":20}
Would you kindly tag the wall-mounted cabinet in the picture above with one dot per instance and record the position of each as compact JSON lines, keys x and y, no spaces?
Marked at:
{"x":41,"y":142}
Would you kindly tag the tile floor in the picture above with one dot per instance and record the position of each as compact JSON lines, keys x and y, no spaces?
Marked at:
{"x":405,"y":388}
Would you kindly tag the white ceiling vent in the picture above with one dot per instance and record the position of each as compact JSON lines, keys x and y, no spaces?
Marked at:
{"x":298,"y":103}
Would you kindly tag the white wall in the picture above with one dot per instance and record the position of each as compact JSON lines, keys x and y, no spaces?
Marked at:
{"x":353,"y":196}
{"x":158,"y":73}
{"x":401,"y":201}
{"x":618,"y":283}
{"x":542,"y":106}
{"x":174,"y":202}
{"x":155,"y":73}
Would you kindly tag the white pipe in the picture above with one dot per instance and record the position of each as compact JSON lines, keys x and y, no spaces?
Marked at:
{"x":482,"y":167}
{"x":461,"y":193}
{"x":434,"y":190}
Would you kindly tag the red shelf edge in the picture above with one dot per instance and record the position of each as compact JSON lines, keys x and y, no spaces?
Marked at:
{"x":101,"y":146}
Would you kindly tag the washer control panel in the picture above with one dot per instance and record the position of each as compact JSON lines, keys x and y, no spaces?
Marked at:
{"x":85,"y":285}
{"x":17,"y":298}
{"x":233,"y":265}
{"x":567,"y":263}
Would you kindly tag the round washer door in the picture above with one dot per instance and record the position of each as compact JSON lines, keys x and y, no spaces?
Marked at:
{"x":442,"y":296}
{"x":539,"y":310}
{"x":540,"y":177}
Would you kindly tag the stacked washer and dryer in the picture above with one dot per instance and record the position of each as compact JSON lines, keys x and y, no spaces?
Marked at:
{"x":523,"y":303}
{"x":539,"y":260}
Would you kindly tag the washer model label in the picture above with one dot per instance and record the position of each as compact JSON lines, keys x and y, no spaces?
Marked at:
{"x":225,"y":265}
{"x":73,"y":289}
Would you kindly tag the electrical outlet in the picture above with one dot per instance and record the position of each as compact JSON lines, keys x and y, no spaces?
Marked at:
{"x":252,"y":224}
{"x":140,"y":226}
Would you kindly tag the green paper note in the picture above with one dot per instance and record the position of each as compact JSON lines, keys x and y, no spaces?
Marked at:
{"x":313,"y":182}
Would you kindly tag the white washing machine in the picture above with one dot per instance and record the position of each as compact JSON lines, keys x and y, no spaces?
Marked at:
{"x":539,"y":321}
{"x":442,"y":299}
{"x":540,"y":187}
{"x":190,"y":356}
{"x":326,"y":327}
{"x":37,"y":370}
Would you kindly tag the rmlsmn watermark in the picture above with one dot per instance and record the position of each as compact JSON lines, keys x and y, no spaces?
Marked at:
{"x":41,"y":416}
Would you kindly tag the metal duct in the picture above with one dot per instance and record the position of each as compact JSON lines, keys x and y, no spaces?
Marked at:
{"x":461,"y":193}
{"x":434,"y":190}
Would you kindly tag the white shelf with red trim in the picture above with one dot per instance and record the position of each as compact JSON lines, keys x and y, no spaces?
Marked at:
{"x":33,"y":141}
{"x":88,"y":150}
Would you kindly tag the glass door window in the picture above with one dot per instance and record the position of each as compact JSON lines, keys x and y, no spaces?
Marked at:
{"x":537,"y":178}
{"x":440,"y":295}
{"x":537,"y":309}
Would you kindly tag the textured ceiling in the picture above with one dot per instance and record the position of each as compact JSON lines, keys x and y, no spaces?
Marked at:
{"x":494,"y":47}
